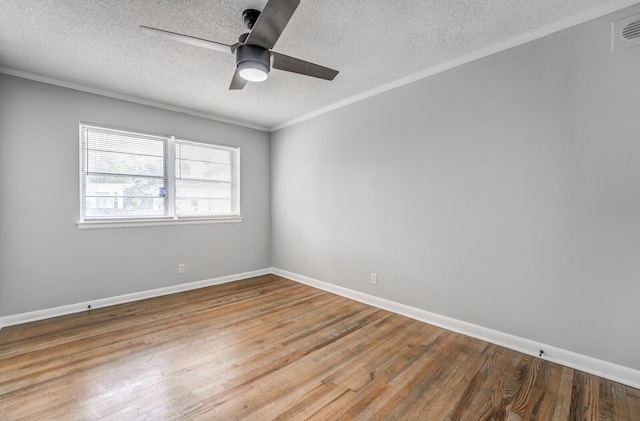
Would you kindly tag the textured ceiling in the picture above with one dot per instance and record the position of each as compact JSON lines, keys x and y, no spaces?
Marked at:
{"x":371,"y":42}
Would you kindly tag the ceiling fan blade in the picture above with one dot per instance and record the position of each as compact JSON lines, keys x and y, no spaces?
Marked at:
{"x":237,"y":82}
{"x":186,"y":39}
{"x":271,"y":22}
{"x":295,"y":65}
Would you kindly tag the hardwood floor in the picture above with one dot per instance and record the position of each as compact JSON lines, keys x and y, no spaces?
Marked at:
{"x":269,"y":348}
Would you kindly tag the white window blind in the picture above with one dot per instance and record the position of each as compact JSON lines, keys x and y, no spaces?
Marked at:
{"x":124,"y":174}
{"x":205,"y":179}
{"x":134,"y":176}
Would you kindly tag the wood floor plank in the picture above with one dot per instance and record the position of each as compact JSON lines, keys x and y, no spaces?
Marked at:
{"x":278,"y":395}
{"x":633,"y":402}
{"x":503,"y":392}
{"x":607,"y":401}
{"x":402,"y":382}
{"x":563,"y":395}
{"x":525,"y":402}
{"x":423,"y":398}
{"x":270,"y":348}
{"x":334,"y":409}
{"x":504,"y":366}
{"x":447,"y":400}
{"x":591,"y":398}
{"x":311,"y":402}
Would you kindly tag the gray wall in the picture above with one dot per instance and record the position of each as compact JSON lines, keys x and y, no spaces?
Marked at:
{"x":46,"y":261}
{"x":505,"y":193}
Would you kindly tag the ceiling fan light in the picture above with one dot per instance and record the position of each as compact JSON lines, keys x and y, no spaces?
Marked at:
{"x":253,"y":71}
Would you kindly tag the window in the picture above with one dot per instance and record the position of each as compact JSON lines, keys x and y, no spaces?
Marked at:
{"x":204,"y":179}
{"x":134,"y":177}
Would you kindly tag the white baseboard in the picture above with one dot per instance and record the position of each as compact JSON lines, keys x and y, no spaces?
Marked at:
{"x":607,"y":370}
{"x":601,"y":368}
{"x":33,"y":316}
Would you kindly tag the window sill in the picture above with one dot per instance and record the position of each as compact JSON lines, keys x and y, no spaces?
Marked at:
{"x":130,"y":223}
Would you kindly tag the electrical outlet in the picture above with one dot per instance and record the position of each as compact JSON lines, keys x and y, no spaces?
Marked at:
{"x":374,"y":278}
{"x":182,"y":268}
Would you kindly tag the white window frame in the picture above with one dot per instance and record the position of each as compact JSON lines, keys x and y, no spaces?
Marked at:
{"x":171,"y":218}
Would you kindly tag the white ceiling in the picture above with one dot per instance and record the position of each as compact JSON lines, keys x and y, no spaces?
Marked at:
{"x":97,"y":44}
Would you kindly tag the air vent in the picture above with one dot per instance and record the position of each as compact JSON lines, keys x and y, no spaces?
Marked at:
{"x":631,"y":31}
{"x":626,"y":33}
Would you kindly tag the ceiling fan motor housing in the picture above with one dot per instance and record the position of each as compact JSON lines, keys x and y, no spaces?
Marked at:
{"x":253,"y":56}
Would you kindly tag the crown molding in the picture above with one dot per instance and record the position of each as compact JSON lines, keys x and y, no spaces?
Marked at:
{"x":109,"y":94}
{"x":593,"y":13}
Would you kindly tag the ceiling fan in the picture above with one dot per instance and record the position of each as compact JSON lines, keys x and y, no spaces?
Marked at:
{"x":254,"y":57}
